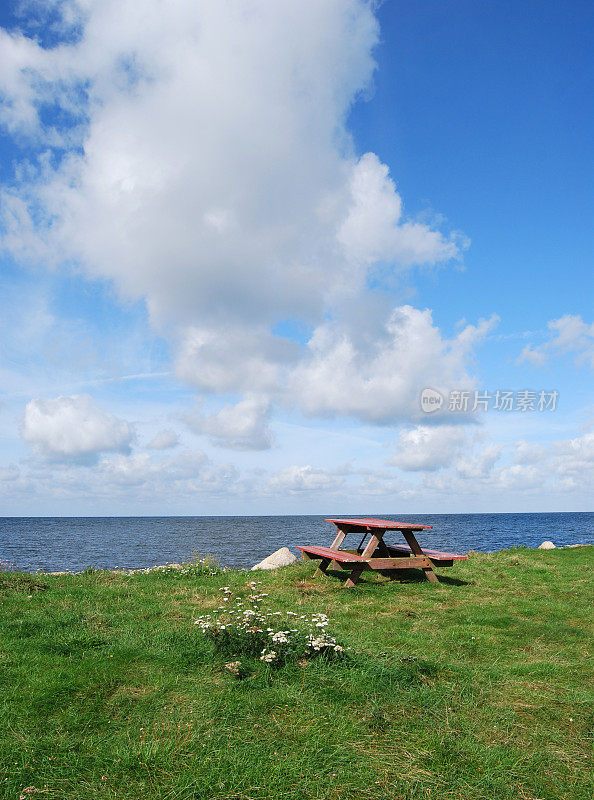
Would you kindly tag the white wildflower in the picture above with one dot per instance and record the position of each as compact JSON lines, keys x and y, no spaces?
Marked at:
{"x":268,"y":657}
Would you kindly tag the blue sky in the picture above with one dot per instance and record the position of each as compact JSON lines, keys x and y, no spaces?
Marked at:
{"x":485,"y":112}
{"x":236,"y":245}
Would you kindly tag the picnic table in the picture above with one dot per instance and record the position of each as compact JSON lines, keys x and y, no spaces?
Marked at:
{"x":377,"y":554}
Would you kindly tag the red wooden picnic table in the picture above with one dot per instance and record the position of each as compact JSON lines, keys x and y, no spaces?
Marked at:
{"x":377,"y":555}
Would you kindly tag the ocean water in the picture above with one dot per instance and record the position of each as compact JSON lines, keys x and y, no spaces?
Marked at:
{"x":75,"y":543}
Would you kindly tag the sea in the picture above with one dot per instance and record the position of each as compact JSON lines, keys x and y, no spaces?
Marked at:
{"x":52,"y":544}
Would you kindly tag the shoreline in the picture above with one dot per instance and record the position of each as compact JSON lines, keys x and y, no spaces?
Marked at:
{"x":174,"y":566}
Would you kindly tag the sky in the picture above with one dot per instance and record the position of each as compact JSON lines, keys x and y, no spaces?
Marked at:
{"x":315,"y":257}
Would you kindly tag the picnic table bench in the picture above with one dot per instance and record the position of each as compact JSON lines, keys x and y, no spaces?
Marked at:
{"x":377,"y":555}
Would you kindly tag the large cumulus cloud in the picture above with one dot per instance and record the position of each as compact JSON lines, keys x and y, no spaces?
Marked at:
{"x":201,"y":161}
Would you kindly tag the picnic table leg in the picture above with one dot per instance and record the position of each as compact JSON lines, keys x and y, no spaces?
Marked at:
{"x":382,"y":549}
{"x":321,"y":570}
{"x":338,"y":539}
{"x":353,"y":578}
{"x":416,"y":548}
{"x":372,"y":544}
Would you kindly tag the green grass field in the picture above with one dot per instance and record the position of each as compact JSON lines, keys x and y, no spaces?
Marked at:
{"x":478,"y":688}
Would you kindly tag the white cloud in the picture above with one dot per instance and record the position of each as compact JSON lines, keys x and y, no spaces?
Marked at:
{"x":73,"y":429}
{"x":215,"y":178}
{"x":183,"y":476}
{"x":564,"y":468}
{"x":298,"y":479}
{"x":374,"y":230}
{"x":163,"y":440}
{"x":18,"y":111}
{"x":226,"y":133}
{"x":428,"y":448}
{"x":243,"y":426}
{"x":527,"y":453}
{"x":132,"y":482}
{"x":575,"y":455}
{"x":532,"y":355}
{"x":475,"y":466}
{"x":379,"y":487}
{"x":380,"y":380}
{"x":569,"y":334}
{"x":233,"y":358}
{"x":487,"y":477}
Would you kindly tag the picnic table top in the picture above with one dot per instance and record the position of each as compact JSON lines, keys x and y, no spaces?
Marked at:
{"x":384,"y":524}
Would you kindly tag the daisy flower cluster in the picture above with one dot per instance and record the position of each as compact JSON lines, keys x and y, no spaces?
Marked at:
{"x":241,"y":626}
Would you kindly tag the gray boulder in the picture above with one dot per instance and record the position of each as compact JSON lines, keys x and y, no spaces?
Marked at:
{"x":546,"y":546}
{"x":281,"y":558}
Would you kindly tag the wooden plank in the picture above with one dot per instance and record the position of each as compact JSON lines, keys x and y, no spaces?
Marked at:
{"x":415,"y":562}
{"x":385,"y":524}
{"x":327,"y":552}
{"x":345,"y":528}
{"x":434,"y":555}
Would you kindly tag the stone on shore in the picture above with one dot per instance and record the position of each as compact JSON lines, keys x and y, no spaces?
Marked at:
{"x":281,"y":558}
{"x":546,"y":546}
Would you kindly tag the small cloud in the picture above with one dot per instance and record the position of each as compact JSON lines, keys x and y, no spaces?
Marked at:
{"x":164,"y":440}
{"x":243,"y":426}
{"x":296,"y":479}
{"x":527,"y":453}
{"x":481,"y":464}
{"x":74,"y":429}
{"x":570,"y":334}
{"x":428,"y":449}
{"x":535,"y":356}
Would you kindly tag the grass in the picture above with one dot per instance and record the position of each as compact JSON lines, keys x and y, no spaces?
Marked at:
{"x":475,"y":689}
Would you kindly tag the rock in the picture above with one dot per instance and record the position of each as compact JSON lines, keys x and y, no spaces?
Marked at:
{"x":281,"y":558}
{"x":546,"y":546}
